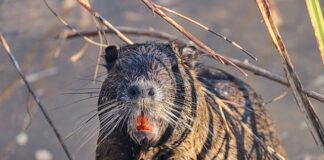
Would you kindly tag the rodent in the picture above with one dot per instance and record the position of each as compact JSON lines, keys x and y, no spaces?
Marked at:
{"x":154,"y":104}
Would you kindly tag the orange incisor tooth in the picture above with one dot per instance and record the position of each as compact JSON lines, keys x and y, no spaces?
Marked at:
{"x":142,"y":123}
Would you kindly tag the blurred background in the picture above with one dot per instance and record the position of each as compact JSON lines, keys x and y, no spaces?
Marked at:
{"x":61,"y":72}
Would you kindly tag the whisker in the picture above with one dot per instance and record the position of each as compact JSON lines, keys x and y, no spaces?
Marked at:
{"x":80,"y":93}
{"x":71,"y":104}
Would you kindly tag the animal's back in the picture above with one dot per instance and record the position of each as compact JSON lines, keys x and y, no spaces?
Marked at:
{"x":247,"y":107}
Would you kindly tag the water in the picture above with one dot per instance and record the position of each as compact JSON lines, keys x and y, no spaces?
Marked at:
{"x":31,"y":30}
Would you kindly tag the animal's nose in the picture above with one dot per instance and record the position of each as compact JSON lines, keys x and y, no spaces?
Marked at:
{"x":137,"y":91}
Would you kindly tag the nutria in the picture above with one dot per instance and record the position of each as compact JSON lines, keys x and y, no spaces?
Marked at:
{"x":157,"y":103}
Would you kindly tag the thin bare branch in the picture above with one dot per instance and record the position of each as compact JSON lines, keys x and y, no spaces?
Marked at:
{"x":70,"y":27}
{"x":105,"y":22}
{"x":259,"y":71}
{"x":23,"y":77}
{"x":190,"y":36}
{"x":129,"y":30}
{"x":208,"y":29}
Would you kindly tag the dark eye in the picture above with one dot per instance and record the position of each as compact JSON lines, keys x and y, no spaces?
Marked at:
{"x":111,"y":54}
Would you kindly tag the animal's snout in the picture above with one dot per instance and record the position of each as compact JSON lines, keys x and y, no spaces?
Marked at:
{"x":141,"y":91}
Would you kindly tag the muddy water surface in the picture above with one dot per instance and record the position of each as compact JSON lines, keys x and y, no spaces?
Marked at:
{"x":32,"y":33}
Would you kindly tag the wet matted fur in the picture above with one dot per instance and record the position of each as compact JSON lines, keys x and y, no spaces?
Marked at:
{"x":163,"y":83}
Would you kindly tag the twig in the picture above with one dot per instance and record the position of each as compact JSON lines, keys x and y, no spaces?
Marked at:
{"x":246,"y":66}
{"x":282,"y":95}
{"x":70,"y":27}
{"x":105,"y":22}
{"x":274,"y":77}
{"x":208,"y":29}
{"x":47,"y":117}
{"x":314,"y":123}
{"x":190,"y":36}
{"x":128,"y":30}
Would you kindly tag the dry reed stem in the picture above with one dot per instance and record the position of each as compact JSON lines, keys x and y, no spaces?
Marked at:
{"x":258,"y":71}
{"x":190,"y":36}
{"x":99,"y":31}
{"x":314,"y":123}
{"x":105,"y":22}
{"x":132,"y":31}
{"x":46,"y":115}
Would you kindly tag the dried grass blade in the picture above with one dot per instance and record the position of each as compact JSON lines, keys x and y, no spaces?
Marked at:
{"x":314,"y":123}
{"x":316,"y":16}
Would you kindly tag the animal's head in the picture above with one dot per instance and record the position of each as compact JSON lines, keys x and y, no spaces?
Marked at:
{"x":148,"y":90}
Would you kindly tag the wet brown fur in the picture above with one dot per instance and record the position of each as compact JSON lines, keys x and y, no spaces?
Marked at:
{"x":208,"y":138}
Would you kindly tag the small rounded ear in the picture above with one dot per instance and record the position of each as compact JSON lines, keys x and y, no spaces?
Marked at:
{"x":190,"y":56}
{"x":111,"y":54}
